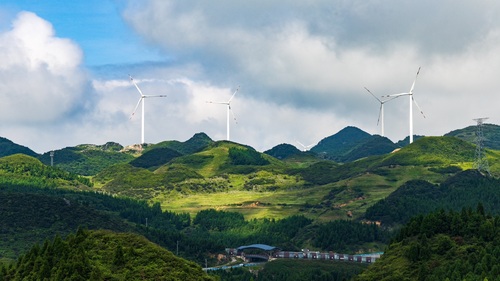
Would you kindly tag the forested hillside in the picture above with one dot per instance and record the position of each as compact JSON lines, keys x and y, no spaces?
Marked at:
{"x":466,"y":189}
{"x":101,"y":255}
{"x":442,"y":245}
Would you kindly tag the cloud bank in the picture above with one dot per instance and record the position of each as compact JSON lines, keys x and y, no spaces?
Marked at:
{"x":301,"y":66}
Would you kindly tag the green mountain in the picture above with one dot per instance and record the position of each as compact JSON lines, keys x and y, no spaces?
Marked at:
{"x":159,"y":154}
{"x":351,"y":144}
{"x":374,"y":145}
{"x":433,"y":151}
{"x":406,"y":140}
{"x":465,"y":189}
{"x":196,"y":143}
{"x":87,"y":159}
{"x":336,"y":146}
{"x":154,"y":158}
{"x":442,"y":246}
{"x":319,"y":189}
{"x":491,"y":135}
{"x":30,"y":217}
{"x":7,"y":147}
{"x":283,"y":151}
{"x":26,"y":170}
{"x":102,"y":255}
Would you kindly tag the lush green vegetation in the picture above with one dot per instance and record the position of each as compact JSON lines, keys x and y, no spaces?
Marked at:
{"x":335,"y":147}
{"x":442,"y":246}
{"x":154,"y":158}
{"x":466,"y":189}
{"x":10,"y":148}
{"x":195,"y":144}
{"x":291,"y":270}
{"x":283,"y":151}
{"x":239,"y":156}
{"x":87,"y":159}
{"x":348,"y":236}
{"x":101,"y":255}
{"x":23,"y":169}
{"x":33,"y":214}
{"x":491,"y":135}
{"x":238,"y":196}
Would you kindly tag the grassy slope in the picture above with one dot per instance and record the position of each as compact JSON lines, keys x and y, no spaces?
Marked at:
{"x":355,"y":186}
{"x":344,"y":191}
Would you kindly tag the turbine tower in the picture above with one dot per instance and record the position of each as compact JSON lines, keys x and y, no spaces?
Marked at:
{"x":229,"y":111}
{"x":481,"y":162}
{"x":412,"y":100}
{"x":381,"y":110}
{"x":141,"y":100}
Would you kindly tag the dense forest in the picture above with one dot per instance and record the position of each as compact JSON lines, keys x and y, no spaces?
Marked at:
{"x":33,"y":214}
{"x":442,"y":245}
{"x":465,"y":189}
{"x":294,"y":270}
{"x":101,"y":255}
{"x":419,"y":193}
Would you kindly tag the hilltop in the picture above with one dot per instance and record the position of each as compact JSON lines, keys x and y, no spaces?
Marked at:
{"x":491,"y":135}
{"x":200,"y":173}
{"x":352,"y":143}
{"x":102,"y":255}
{"x":7,"y":147}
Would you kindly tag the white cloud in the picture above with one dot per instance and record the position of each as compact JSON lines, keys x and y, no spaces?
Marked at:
{"x":301,"y":65}
{"x":317,"y":57}
{"x":40,"y":80}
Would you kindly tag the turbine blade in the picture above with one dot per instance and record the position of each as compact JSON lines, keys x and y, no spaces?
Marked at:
{"x":137,"y":87}
{"x":379,"y":113}
{"x":214,"y":102}
{"x":373,"y":94}
{"x":135,"y":109}
{"x":418,"y":106}
{"x":391,"y":98}
{"x":301,"y":144}
{"x":155,"y":96}
{"x":234,"y":117}
{"x":233,"y":94}
{"x":396,"y":95}
{"x":413,"y":85}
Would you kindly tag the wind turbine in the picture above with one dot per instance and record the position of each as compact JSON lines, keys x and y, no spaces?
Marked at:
{"x":228,"y":104}
{"x":412,"y":100}
{"x":381,"y":111}
{"x":305,"y":147}
{"x":141,"y":100}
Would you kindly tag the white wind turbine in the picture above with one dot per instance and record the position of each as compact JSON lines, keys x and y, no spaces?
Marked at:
{"x":305,"y":147}
{"x":412,"y":100}
{"x":381,"y":111}
{"x":228,"y":104}
{"x":141,"y":100}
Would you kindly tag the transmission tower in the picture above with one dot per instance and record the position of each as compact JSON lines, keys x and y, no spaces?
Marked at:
{"x":480,"y":163}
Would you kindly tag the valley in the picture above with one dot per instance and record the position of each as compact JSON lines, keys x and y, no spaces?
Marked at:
{"x":200,"y":196}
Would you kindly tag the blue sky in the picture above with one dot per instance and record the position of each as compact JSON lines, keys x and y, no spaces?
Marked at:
{"x":301,"y":67}
{"x":95,"y":25}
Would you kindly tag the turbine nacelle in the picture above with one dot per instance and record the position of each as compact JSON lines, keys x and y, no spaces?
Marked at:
{"x":228,"y":104}
{"x":141,"y":101}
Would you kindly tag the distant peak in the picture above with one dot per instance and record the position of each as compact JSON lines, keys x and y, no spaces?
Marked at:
{"x":200,"y":136}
